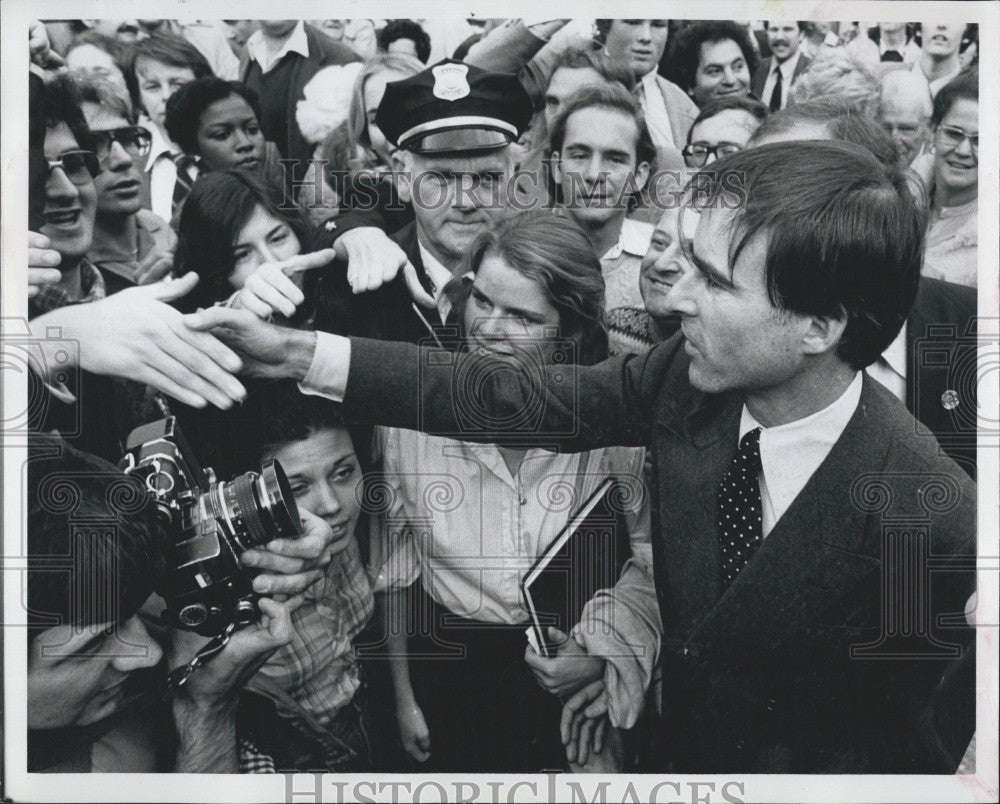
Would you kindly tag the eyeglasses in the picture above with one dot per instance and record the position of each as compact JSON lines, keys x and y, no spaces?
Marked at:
{"x":80,"y":167}
{"x":697,"y":155}
{"x":136,"y":140}
{"x":952,"y":137}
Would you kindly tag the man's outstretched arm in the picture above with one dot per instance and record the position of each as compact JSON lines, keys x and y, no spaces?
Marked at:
{"x":472,"y":396}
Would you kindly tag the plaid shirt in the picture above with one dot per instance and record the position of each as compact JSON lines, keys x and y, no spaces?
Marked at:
{"x":52,"y":297}
{"x":319,"y":667}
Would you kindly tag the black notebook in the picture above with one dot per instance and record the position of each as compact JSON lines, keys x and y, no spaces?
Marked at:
{"x":586,"y":556}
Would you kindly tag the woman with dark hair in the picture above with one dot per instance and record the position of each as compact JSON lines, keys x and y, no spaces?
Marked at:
{"x":217,"y":124}
{"x":234,"y":234}
{"x":531,"y":289}
{"x":952,"y":233}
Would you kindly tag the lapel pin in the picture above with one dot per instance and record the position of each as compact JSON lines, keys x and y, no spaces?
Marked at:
{"x":949,"y":400}
{"x":330,"y":225}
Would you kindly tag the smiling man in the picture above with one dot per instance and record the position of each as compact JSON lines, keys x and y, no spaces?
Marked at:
{"x":774,"y":460}
{"x":773,"y":80}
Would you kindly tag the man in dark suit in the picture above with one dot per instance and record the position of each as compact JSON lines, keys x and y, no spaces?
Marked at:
{"x":788,"y":484}
{"x":280,"y":59}
{"x":452,"y":125}
{"x":772,"y":81}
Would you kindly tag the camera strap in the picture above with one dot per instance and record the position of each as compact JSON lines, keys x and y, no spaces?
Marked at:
{"x":177,"y":677}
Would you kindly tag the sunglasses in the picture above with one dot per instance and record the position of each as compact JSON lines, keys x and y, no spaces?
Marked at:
{"x":136,"y":140}
{"x":952,"y":136}
{"x":80,"y":167}
{"x":697,"y":155}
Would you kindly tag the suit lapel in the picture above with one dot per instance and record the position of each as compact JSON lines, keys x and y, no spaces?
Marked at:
{"x":815,"y":551}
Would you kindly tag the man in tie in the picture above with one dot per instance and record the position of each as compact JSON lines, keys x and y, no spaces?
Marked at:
{"x":452,"y":125}
{"x":797,"y":505}
{"x":772,"y":82}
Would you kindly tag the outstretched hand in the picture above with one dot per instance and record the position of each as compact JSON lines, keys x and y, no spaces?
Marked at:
{"x":266,"y":349}
{"x":136,"y":335}
{"x":271,"y":288}
{"x":584,"y":723}
{"x":373,"y":260}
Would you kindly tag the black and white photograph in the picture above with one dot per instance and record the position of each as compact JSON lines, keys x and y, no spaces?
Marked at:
{"x":450,"y":407}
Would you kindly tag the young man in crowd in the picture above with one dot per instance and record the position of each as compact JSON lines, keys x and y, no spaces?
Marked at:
{"x":131,"y":245}
{"x":601,"y":156}
{"x":939,"y":62}
{"x":767,"y":441}
{"x":773,"y":79}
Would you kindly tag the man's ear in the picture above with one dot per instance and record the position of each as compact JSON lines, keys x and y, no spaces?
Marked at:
{"x":402,"y":167}
{"x":641,"y":174}
{"x":824,"y":333}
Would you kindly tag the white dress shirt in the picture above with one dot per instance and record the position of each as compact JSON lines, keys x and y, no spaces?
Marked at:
{"x":162,"y":170}
{"x":470,"y":530}
{"x":787,"y":68}
{"x":791,"y":453}
{"x":257,"y":48}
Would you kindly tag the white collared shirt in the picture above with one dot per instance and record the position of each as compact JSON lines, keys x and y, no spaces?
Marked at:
{"x":890,"y":368}
{"x":654,"y":110}
{"x":791,"y":453}
{"x":787,"y":68}
{"x":296,"y":43}
{"x":162,"y":170}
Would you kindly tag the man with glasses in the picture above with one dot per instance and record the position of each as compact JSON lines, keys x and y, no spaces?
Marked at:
{"x":69,"y":206}
{"x":722,"y":128}
{"x":131,"y":246}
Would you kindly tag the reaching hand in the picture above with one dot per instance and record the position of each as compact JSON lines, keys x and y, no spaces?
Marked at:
{"x":584,"y":723}
{"x":569,"y":670}
{"x":42,"y":262}
{"x":266,"y":349}
{"x":270,"y":289}
{"x":373,"y":260}
{"x":135,"y":335}
{"x":290,"y":566}
{"x":413,"y":731}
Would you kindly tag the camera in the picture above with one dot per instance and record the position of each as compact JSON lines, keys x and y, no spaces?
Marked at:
{"x":209,"y":524}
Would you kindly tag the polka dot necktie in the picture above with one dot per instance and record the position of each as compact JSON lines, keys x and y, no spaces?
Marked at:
{"x":739,"y":508}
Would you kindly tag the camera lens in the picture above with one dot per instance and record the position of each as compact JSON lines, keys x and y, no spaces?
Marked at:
{"x":258,"y":508}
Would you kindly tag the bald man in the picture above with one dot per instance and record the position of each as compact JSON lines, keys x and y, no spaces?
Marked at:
{"x":905,"y":108}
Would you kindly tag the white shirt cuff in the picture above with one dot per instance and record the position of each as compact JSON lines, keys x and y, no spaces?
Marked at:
{"x":331,"y":363}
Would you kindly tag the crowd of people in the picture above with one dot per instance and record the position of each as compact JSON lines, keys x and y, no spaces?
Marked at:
{"x":452,"y":277}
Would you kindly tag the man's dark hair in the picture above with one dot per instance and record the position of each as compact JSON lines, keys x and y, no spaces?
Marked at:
{"x":607,"y":96}
{"x":751,"y":106}
{"x":60,"y":100}
{"x":166,"y":48}
{"x":848,"y":242}
{"x":405,"y":29}
{"x":964,"y":86}
{"x":186,"y":106}
{"x":95,"y":549}
{"x":842,"y":121}
{"x":685,"y":52}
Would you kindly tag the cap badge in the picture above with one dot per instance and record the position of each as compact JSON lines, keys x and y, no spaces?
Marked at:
{"x":451,"y":81}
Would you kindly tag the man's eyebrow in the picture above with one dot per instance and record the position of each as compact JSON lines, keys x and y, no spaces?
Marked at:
{"x":708,"y":271}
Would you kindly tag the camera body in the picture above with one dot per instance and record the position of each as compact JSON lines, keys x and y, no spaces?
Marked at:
{"x":209,"y":524}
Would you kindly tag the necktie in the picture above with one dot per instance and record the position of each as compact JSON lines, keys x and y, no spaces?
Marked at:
{"x":739,"y":508}
{"x":184,"y":180}
{"x":892,"y":55}
{"x":775,"y":104}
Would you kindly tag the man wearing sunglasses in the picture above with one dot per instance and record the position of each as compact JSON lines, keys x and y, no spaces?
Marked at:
{"x":132,"y":246}
{"x":69,"y":206}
